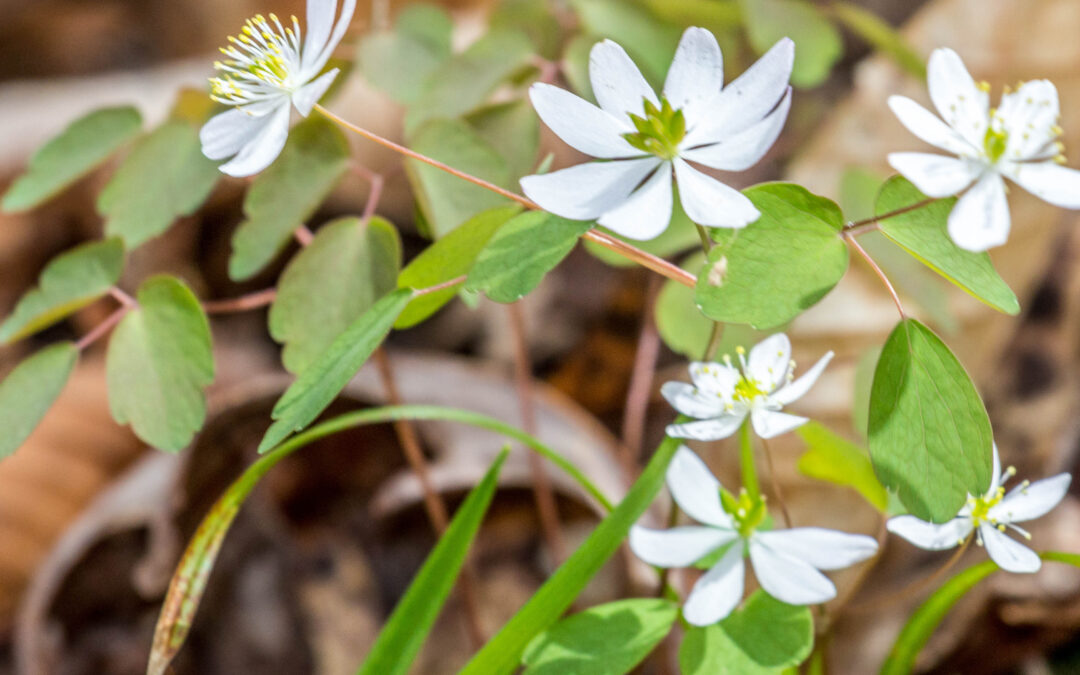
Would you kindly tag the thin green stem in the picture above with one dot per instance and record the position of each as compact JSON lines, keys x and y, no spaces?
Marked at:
{"x":706,"y":241}
{"x":746,"y":461}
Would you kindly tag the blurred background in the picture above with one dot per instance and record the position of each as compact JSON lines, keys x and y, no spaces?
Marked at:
{"x":92,"y":523}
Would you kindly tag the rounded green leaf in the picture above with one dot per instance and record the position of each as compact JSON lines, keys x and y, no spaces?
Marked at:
{"x":284,"y":196}
{"x":609,"y":639}
{"x":774,"y":269}
{"x":682,"y":326}
{"x":400,"y":61}
{"x":763,"y":638}
{"x":308,"y":313}
{"x":929,"y":435}
{"x":68,"y":283}
{"x":446,"y":259}
{"x":924,"y":234}
{"x":160,"y":359}
{"x":521,"y":253}
{"x":513,"y":130}
{"x":837,"y":460}
{"x":29,"y":390}
{"x":85,"y":144}
{"x":818,"y":44}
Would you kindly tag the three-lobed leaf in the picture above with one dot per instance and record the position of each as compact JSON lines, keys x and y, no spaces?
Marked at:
{"x":361,"y":259}
{"x":160,"y":359}
{"x":837,"y":460}
{"x":764,"y":637}
{"x":68,"y":283}
{"x":82,"y":146}
{"x":924,"y":234}
{"x":929,"y":434}
{"x":521,"y":253}
{"x":284,"y":196}
{"x":29,"y":390}
{"x":164,"y":178}
{"x":321,"y":382}
{"x":401,"y":61}
{"x":609,"y":639}
{"x":818,"y":44}
{"x":771,"y":271}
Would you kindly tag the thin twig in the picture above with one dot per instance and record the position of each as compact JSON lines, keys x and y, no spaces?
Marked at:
{"x":243,"y":303}
{"x":546,"y":506}
{"x":776,"y":484}
{"x":891,"y":214}
{"x":104,"y":327}
{"x":433,"y":503}
{"x":877,"y":270}
{"x":654,"y":263}
{"x":910,"y":590}
{"x":641,"y":381}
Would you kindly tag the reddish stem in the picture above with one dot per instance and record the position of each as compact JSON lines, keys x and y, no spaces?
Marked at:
{"x":241,"y":304}
{"x":850,"y":239}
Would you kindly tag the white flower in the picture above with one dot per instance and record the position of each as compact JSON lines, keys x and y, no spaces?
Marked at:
{"x":697,"y":120}
{"x":1018,"y":140}
{"x":989,"y":516}
{"x":786,"y":562}
{"x":723,"y":395}
{"x":268,"y":72}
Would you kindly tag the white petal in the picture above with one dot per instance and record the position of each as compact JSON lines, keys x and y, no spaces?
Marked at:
{"x":821,"y":548}
{"x":580,"y":124}
{"x":617,"y":83}
{"x":224,"y":135}
{"x":963,"y":105}
{"x":931,"y":536}
{"x":647,"y":213}
{"x":1033,"y":501}
{"x":769,"y":361}
{"x":307,"y":96}
{"x":315,"y":60}
{"x":1029,"y":116}
{"x":1056,"y":184}
{"x":261,"y":151}
{"x":770,"y":423}
{"x":708,"y":430}
{"x":718,"y":591}
{"x":995,"y":469}
{"x":695,"y":489}
{"x":749,"y":98}
{"x":696,"y":75}
{"x":1009,"y":554}
{"x":799,"y":387}
{"x":709,"y":202}
{"x":746,"y":148}
{"x":320,"y":21}
{"x":929,"y":127}
{"x":679,"y":546}
{"x":788,"y":579}
{"x":936,"y":175}
{"x":690,"y":401}
{"x":715,"y":378}
{"x":980,"y":220}
{"x":587,"y":191}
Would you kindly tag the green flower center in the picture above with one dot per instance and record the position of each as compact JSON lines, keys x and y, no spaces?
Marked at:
{"x":660,"y":131}
{"x":747,"y":511}
{"x":980,"y":509}
{"x":747,"y":389}
{"x":995,"y":142}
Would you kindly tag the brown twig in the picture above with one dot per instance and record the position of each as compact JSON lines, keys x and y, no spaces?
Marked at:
{"x":641,"y":381}
{"x":433,"y":503}
{"x":546,"y":506}
{"x":643,"y":258}
{"x":776,"y":484}
{"x":910,"y":590}
{"x":850,"y":239}
{"x":243,"y":303}
{"x":890,"y":214}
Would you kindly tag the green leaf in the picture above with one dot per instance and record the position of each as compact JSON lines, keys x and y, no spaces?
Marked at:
{"x":159,"y":361}
{"x":502,"y":654}
{"x":321,"y":382}
{"x":608,"y":639}
{"x":29,"y":390}
{"x":925,"y":620}
{"x":765,"y":636}
{"x":930,"y":437}
{"x":165,"y":177}
{"x":286,"y":195}
{"x":924,"y":234}
{"x":718,"y":16}
{"x":309,"y":313}
{"x":81,"y":147}
{"x":575,"y":65}
{"x":446,"y":201}
{"x":650,"y":42}
{"x":839,"y":461}
{"x":818,"y":44}
{"x":447,"y":259}
{"x":466,"y":81}
{"x":69,"y":282}
{"x":521,"y":253}
{"x":682,"y":326}
{"x":399,"y":62}
{"x":880,"y":35}
{"x":513,"y":130}
{"x":400,"y":640}
{"x":860,"y":395}
{"x":681,"y":235}
{"x":771,"y":271}
{"x":535,"y":18}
